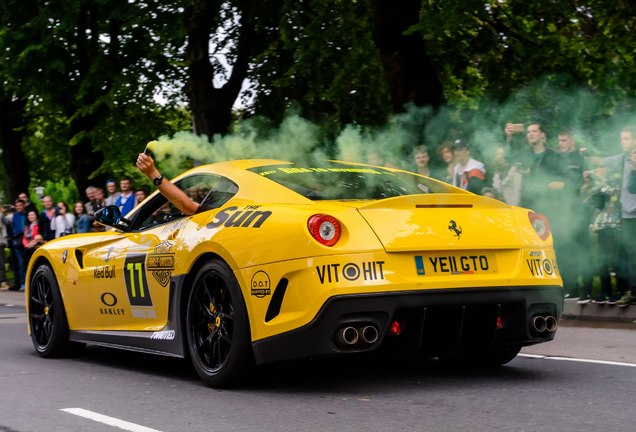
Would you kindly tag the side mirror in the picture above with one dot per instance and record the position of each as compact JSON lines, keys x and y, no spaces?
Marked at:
{"x":110,"y":216}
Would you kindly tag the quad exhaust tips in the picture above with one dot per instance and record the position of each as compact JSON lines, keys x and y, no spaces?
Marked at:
{"x":369,"y":334}
{"x":544,"y":323}
{"x":347,"y":336}
{"x":350,"y":336}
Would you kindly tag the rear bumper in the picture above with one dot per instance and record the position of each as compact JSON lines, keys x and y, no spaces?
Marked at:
{"x":435,"y":322}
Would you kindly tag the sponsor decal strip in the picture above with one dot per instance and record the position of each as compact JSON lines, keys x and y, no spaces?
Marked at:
{"x":110,"y":300}
{"x":104,"y":272}
{"x":368,"y":271}
{"x":260,"y":284}
{"x":135,"y":279}
{"x":230,"y":217}
{"x":163,"y":335}
{"x":542,"y":267}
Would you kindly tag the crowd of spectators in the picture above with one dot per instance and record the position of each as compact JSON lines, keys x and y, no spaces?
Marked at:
{"x":589,"y":201}
{"x":23,"y":228}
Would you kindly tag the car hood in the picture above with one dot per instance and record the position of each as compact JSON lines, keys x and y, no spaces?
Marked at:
{"x":443,"y":221}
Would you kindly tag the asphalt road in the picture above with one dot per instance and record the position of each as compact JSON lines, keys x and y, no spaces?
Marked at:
{"x":145,"y":393}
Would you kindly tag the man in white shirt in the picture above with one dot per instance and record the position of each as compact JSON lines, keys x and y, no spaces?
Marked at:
{"x":468,"y":174}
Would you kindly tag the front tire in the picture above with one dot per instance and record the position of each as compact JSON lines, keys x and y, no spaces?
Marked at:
{"x":217,"y":326}
{"x":49,"y":326}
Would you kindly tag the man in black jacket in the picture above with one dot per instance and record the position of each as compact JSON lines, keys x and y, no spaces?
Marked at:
{"x":571,"y":225}
{"x":542,"y":172}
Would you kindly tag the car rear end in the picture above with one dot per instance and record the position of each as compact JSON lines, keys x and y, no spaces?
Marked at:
{"x":442,"y":273}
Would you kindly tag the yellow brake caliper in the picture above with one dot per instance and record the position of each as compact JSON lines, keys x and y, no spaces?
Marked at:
{"x":217,"y":320}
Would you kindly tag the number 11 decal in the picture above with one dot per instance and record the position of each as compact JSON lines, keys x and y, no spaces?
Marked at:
{"x":136,"y":283}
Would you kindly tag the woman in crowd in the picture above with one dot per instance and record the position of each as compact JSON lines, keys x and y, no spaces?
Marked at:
{"x":507,"y":180}
{"x":445,"y":153}
{"x":82,"y":219}
{"x":63,"y":223}
{"x":32,"y":238}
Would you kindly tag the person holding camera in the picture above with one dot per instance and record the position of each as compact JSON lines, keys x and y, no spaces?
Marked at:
{"x":63,"y":223}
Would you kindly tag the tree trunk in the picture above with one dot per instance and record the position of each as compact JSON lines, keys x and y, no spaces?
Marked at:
{"x":14,"y":161}
{"x":84,"y":160}
{"x":212,"y":107}
{"x":409,"y":71}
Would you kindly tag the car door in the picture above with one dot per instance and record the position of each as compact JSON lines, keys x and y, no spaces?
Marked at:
{"x":134,"y":285}
{"x":112,"y":289}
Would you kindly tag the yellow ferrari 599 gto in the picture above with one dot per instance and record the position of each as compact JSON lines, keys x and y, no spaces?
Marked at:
{"x":285,"y":261}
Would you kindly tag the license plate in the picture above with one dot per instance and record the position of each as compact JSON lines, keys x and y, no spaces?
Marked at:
{"x":445,"y":264}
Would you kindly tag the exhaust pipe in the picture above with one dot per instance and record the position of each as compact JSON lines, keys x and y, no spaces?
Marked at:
{"x":347,"y":336}
{"x":369,"y":334}
{"x":539,"y":323}
{"x":551,"y":324}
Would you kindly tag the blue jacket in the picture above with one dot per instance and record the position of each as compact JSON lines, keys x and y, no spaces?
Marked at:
{"x":125,"y":204}
{"x":18,"y":221}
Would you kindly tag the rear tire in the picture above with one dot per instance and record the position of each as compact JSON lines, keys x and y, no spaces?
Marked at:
{"x":49,"y":326}
{"x":218,"y":327}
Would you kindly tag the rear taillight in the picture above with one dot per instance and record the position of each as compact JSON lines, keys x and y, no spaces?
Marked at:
{"x":324,"y":228}
{"x":540,"y":225}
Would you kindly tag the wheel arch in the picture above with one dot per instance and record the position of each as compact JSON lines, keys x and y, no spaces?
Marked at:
{"x":33,"y":266}
{"x":187,"y":287}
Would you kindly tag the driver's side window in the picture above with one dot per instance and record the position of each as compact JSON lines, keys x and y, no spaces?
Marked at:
{"x":208,"y":190}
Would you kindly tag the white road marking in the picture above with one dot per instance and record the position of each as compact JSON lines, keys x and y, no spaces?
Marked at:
{"x":574,"y":359}
{"x":19,"y":318}
{"x":111,"y":421}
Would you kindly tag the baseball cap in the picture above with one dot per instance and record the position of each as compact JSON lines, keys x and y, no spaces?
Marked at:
{"x":459,"y":145}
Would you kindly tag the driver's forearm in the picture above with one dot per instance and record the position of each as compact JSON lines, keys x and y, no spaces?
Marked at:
{"x":177,"y":197}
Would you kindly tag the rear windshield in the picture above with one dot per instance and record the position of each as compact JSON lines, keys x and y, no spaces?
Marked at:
{"x":336,"y":181}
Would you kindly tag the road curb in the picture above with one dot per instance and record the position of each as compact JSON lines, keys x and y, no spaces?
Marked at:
{"x":599,"y":312}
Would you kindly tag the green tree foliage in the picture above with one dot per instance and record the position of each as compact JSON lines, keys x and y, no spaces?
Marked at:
{"x":78,"y":78}
{"x":87,"y":72}
{"x":563,"y":62}
{"x":321,"y":60}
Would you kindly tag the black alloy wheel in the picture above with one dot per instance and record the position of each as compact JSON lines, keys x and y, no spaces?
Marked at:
{"x":217,"y":325}
{"x":49,"y":327}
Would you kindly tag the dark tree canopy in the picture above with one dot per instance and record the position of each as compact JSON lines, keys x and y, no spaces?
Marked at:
{"x":80,"y":79}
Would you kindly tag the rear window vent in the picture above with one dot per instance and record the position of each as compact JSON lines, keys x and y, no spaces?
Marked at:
{"x":443,"y":206}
